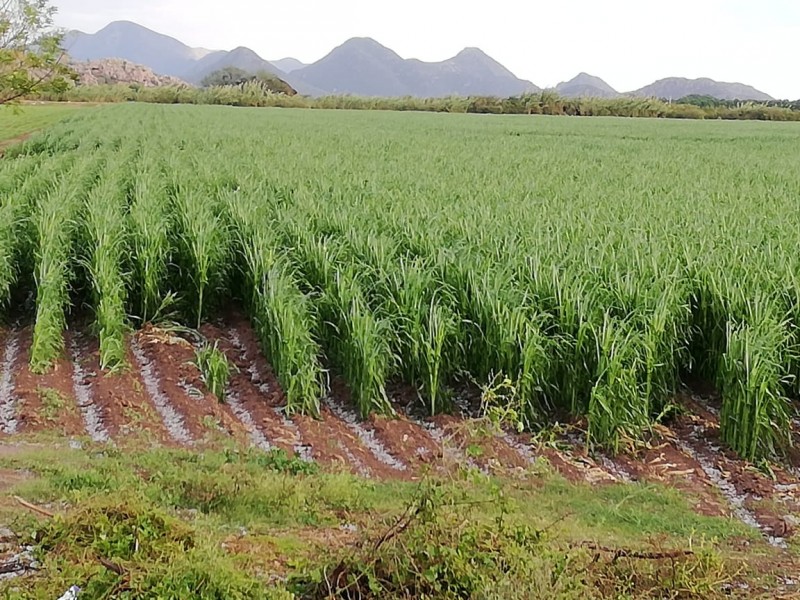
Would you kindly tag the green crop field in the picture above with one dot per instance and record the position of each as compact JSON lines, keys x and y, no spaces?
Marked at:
{"x":596,"y":264}
{"x":16,"y":121}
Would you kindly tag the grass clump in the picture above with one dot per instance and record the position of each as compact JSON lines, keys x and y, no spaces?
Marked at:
{"x":442,"y":546}
{"x":124,"y":548}
{"x":215,"y":370}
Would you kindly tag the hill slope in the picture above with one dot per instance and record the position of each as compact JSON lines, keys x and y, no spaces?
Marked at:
{"x":362,"y":66}
{"x":241,"y":58}
{"x":359,"y":66}
{"x":128,"y":41}
{"x":289,"y":64}
{"x":678,"y":87}
{"x":117,"y":70}
{"x":163,"y":54}
{"x":470,"y":73}
{"x":585,"y":85}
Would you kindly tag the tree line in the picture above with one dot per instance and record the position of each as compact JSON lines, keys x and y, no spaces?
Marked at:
{"x":254,"y":93}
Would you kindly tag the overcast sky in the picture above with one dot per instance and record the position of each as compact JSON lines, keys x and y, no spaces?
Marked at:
{"x":629,"y":43}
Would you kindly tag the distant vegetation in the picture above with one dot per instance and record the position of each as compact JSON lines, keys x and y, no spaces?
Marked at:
{"x":234,"y":76}
{"x":712,"y":102}
{"x":254,"y":93}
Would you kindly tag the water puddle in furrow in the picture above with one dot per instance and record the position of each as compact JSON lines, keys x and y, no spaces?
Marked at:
{"x":172,"y":420}
{"x":303,"y":451}
{"x":92,"y":418}
{"x":8,"y":402}
{"x":726,"y":488}
{"x":367,"y":436}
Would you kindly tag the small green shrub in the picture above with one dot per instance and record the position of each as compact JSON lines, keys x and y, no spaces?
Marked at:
{"x":215,"y":369}
{"x":114,"y":548}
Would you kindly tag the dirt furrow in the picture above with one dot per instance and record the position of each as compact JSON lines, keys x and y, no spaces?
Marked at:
{"x":258,"y":439}
{"x":255,"y":395}
{"x":521,"y":447}
{"x":8,"y":400}
{"x":46,"y":401}
{"x":331,"y":443}
{"x":205,"y":417}
{"x":736,"y":500}
{"x":122,"y":397}
{"x":740,"y":484}
{"x":367,"y":436}
{"x":92,"y":415}
{"x":451,"y":450}
{"x":326,"y":440}
{"x":402,"y":437}
{"x":599,"y":467}
{"x":769,"y":503}
{"x":173,"y":421}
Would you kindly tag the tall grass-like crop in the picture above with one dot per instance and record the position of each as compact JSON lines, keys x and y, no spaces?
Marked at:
{"x":204,"y":242}
{"x":106,"y":240}
{"x":214,"y":369}
{"x":55,"y":226}
{"x":283,"y":316}
{"x":151,"y":223}
{"x":756,"y":417}
{"x":355,"y":339}
{"x":596,"y":266}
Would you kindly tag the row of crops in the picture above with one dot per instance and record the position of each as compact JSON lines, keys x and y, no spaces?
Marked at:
{"x":596,"y":264}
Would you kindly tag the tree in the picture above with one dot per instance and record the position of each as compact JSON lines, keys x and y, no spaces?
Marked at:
{"x":234,"y":76}
{"x":226,"y":76}
{"x":31,"y":58}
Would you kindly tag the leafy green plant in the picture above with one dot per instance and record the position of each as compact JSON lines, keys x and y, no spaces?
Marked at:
{"x":214,"y":369}
{"x":277,"y":460}
{"x":53,"y":403}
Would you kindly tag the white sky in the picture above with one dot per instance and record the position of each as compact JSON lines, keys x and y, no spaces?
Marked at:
{"x":629,"y":43}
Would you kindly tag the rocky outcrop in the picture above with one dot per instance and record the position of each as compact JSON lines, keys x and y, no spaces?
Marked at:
{"x":115,"y":70}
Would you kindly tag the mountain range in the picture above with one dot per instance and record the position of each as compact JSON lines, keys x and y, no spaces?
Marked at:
{"x":362,"y":66}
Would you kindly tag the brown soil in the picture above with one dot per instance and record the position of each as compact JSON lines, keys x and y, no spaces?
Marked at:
{"x":663,"y":462}
{"x":332,"y":443}
{"x":408,"y":441}
{"x":259,"y":404}
{"x":748,"y":481}
{"x":572,"y":461}
{"x":204,"y":416}
{"x":483,"y":446}
{"x":121,"y":398}
{"x":128,"y":413}
{"x":37,"y":414}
